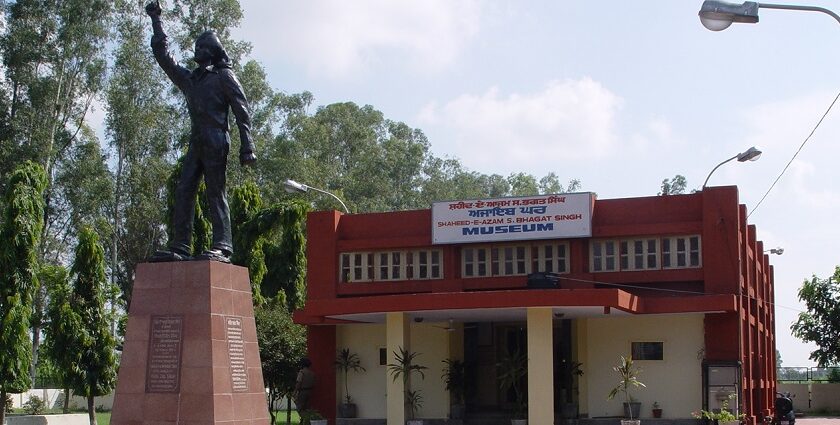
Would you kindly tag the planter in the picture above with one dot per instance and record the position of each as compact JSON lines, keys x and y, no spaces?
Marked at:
{"x":347,"y":410}
{"x":633,"y":409}
{"x":728,"y":422}
{"x":569,"y":410}
{"x":629,"y":422}
{"x":657,"y":413}
{"x":457,"y":411}
{"x":518,"y":422}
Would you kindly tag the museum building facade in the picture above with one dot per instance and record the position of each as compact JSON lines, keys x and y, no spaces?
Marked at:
{"x":678,"y":283}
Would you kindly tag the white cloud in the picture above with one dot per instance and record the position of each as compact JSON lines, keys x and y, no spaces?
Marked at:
{"x":337,"y":38}
{"x":566,"y":120}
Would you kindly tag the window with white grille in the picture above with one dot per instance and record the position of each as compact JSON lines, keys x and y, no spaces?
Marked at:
{"x":681,"y":252}
{"x":602,"y":258}
{"x":639,"y":254}
{"x":391,"y":265}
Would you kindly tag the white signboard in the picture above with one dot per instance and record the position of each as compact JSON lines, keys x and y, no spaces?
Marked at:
{"x":530,"y":217}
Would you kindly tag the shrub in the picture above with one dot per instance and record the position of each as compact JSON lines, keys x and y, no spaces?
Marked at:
{"x":34,"y":405}
{"x":9,"y":403}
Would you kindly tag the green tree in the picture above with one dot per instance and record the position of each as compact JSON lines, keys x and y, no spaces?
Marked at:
{"x":264,"y":236}
{"x":282,"y":345}
{"x":94,"y":374}
{"x":140,"y":145}
{"x":674,"y":186}
{"x":20,"y":230}
{"x":820,"y":324}
{"x":53,"y":55}
{"x":62,"y":324}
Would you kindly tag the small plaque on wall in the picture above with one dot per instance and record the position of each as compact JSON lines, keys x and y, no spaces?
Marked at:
{"x":165,"y":342}
{"x":236,"y":354}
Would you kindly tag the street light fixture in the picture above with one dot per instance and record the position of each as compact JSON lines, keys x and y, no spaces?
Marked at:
{"x":777,"y":251}
{"x":719,"y":15}
{"x":295,"y":187}
{"x":751,"y":154}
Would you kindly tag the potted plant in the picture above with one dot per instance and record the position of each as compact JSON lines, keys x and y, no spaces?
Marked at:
{"x":403,"y":368}
{"x":346,"y":361}
{"x":628,"y":379}
{"x":568,"y":371}
{"x":724,"y":416}
{"x":512,"y":370}
{"x":312,"y":417}
{"x":656,"y":410}
{"x":454,"y":377}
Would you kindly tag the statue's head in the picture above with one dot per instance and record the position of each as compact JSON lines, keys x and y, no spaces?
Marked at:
{"x":208,"y":48}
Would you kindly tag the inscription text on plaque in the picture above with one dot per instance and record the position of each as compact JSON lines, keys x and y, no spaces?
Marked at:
{"x":236,"y":354}
{"x":165,"y":342}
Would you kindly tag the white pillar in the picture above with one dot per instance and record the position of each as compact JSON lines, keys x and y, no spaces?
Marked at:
{"x":397,"y":335}
{"x":540,"y":366}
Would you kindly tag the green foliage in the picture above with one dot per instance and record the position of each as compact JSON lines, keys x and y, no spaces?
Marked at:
{"x":404,"y":367}
{"x":345,"y":361}
{"x":454,"y":377}
{"x":282,"y":345}
{"x":20,"y":231}
{"x":63,"y":323}
{"x":94,"y":374}
{"x":724,"y":415}
{"x":275,"y":268}
{"x":34,"y":405}
{"x":674,"y":186}
{"x":512,"y":371}
{"x":834,"y":375}
{"x":820,"y":324}
{"x":628,"y":379}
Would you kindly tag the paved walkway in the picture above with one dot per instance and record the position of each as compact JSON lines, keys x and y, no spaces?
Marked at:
{"x":818,"y":421}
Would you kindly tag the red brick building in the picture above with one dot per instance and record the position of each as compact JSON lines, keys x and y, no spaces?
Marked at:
{"x":680,"y":283}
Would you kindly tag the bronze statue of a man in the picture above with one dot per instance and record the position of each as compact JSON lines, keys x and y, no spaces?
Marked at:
{"x":211,"y":91}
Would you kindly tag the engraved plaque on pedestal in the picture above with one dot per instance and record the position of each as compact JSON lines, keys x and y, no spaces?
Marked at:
{"x":165,"y":342}
{"x":236,"y":354}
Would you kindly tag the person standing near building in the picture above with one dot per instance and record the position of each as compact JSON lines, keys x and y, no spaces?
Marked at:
{"x":304,"y":384}
{"x":211,"y":90}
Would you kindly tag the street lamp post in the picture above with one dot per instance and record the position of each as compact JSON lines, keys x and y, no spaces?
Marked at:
{"x":719,"y":15}
{"x":777,"y":251}
{"x":295,"y":187}
{"x":751,"y":154}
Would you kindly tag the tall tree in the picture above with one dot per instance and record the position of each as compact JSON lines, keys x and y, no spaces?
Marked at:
{"x":62,"y":323}
{"x":21,"y":228}
{"x":53,"y":54}
{"x":94,"y":374}
{"x":141,"y":145}
{"x":820,"y":324}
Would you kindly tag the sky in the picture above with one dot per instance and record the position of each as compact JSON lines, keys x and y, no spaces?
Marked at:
{"x":618,"y":94}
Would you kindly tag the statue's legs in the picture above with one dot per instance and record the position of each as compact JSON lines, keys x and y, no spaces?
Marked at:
{"x":215,"y":167}
{"x":182,"y":221}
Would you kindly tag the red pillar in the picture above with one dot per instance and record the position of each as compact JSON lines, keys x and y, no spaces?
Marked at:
{"x":320,"y":343}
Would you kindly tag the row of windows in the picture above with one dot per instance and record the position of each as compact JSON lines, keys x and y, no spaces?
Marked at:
{"x":522,"y":259}
{"x":512,"y":260}
{"x":645,"y":254}
{"x":391,"y":265}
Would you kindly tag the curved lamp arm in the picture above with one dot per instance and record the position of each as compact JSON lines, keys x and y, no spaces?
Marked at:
{"x":293,"y":186}
{"x":803,"y":8}
{"x":716,"y":167}
{"x":347,"y":210}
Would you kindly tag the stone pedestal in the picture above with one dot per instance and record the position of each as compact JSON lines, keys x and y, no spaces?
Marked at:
{"x":190,"y":355}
